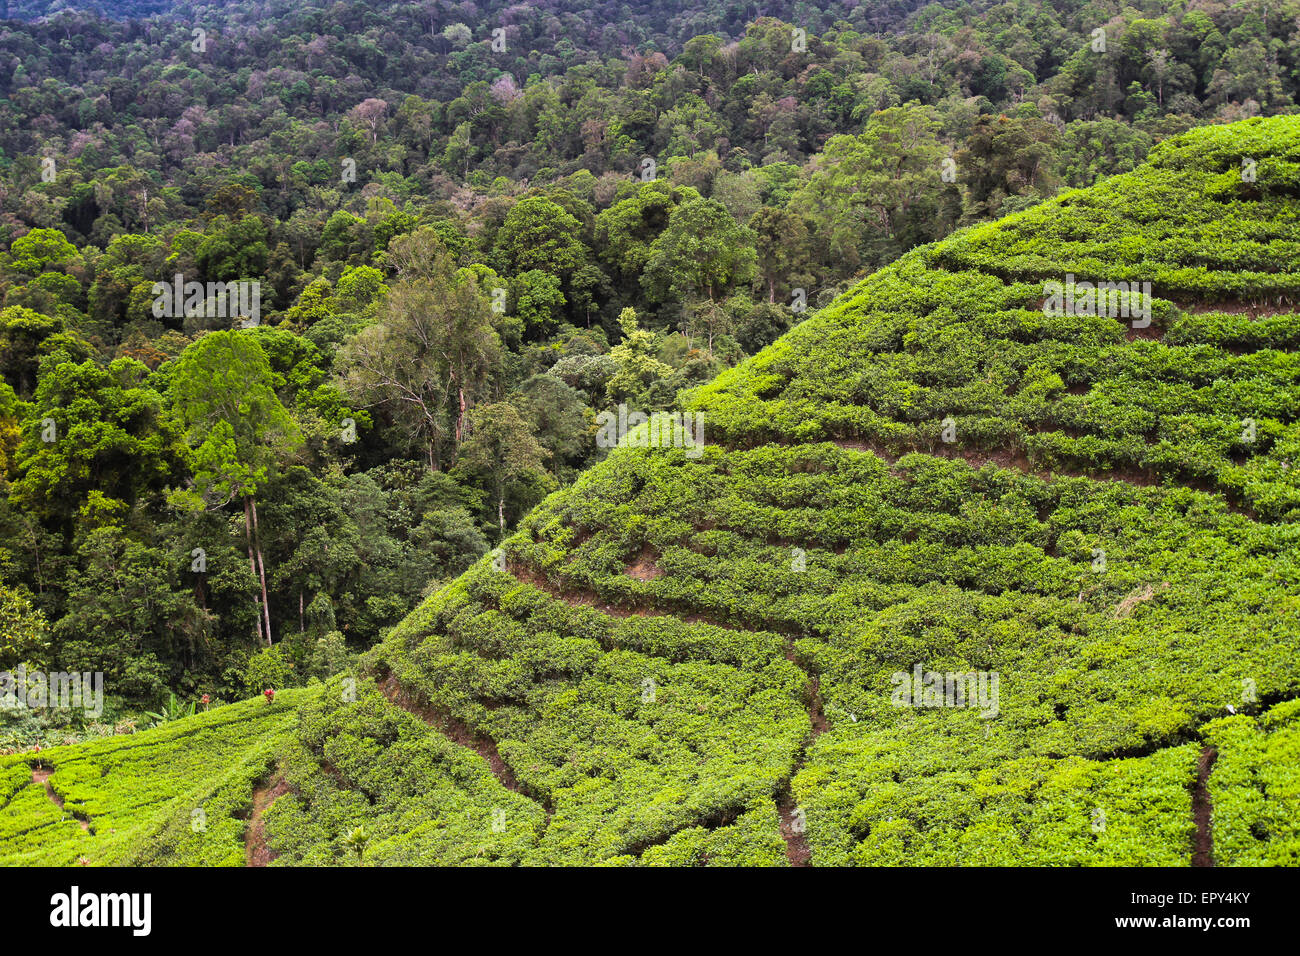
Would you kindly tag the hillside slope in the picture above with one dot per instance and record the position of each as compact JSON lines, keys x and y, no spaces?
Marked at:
{"x":693,"y":658}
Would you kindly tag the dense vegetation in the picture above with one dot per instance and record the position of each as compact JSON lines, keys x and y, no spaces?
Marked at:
{"x":688,"y":656}
{"x":178,"y":792}
{"x":466,"y":253}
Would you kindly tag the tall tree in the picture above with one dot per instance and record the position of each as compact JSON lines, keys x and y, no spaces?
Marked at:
{"x":430,"y":356}
{"x":1004,"y":158}
{"x":540,"y":234}
{"x":502,"y":447}
{"x":781,"y":244}
{"x":702,"y":253}
{"x":91,"y":431}
{"x":222,"y":390}
{"x":635,"y":362}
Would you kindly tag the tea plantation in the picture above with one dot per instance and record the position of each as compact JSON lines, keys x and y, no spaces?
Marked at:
{"x":691,"y":659}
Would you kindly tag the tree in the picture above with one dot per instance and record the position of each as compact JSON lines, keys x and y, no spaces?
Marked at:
{"x":626,"y":229}
{"x":22,"y":627}
{"x":129,"y":261}
{"x":634,"y":358}
{"x":540,"y":234}
{"x":458,"y":35}
{"x":701,"y":253}
{"x":879,"y":193}
{"x":502,"y":447}
{"x":460,"y":150}
{"x":555,"y":412}
{"x":781,"y":246}
{"x":369,"y":113}
{"x":233,"y":250}
{"x":709,"y":317}
{"x":346,"y":238}
{"x":10,"y":431}
{"x":1006,"y":157}
{"x":41,"y":250}
{"x":222,"y":390}
{"x":739,"y":192}
{"x":430,"y":355}
{"x":92,"y":431}
{"x":26,"y":336}
{"x":316,"y":545}
{"x":125,"y":613}
{"x":359,"y":287}
{"x":538,"y":301}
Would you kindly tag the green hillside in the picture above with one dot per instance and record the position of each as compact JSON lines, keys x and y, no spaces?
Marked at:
{"x":691,"y":658}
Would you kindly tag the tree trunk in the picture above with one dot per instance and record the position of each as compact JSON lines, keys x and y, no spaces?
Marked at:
{"x":252,"y":561}
{"x":203,"y":603}
{"x":460,"y":416}
{"x":261,"y":571}
{"x":501,"y":515}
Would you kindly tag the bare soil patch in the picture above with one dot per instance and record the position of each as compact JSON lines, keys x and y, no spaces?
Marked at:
{"x":1203,"y":810}
{"x":644,"y":567}
{"x":256,"y":852}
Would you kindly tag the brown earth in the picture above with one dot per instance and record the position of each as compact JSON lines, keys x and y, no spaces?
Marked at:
{"x":256,"y":852}
{"x":644,"y":567}
{"x":1203,"y":811}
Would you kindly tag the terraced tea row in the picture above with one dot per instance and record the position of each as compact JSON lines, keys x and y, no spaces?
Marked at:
{"x":179,"y":793}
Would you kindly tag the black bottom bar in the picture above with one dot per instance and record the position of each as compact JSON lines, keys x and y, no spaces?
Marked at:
{"x":275,"y":907}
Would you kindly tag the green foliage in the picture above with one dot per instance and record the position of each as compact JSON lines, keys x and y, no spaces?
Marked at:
{"x":701,"y":252}
{"x":538,"y":301}
{"x":92,"y":430}
{"x":25,"y":337}
{"x":233,"y":250}
{"x":502,"y":447}
{"x":827,"y":516}
{"x":236,"y":427}
{"x":178,"y":794}
{"x":40,"y":250}
{"x":1128,"y":494}
{"x":635,"y":368}
{"x":428,"y":357}
{"x":538,"y":234}
{"x":430,"y":800}
{"x":172,"y":710}
{"x":22,"y":627}
{"x":126,"y":614}
{"x":268,"y":670}
{"x":1253,"y":787}
{"x":330,"y":655}
{"x":882,"y":191}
